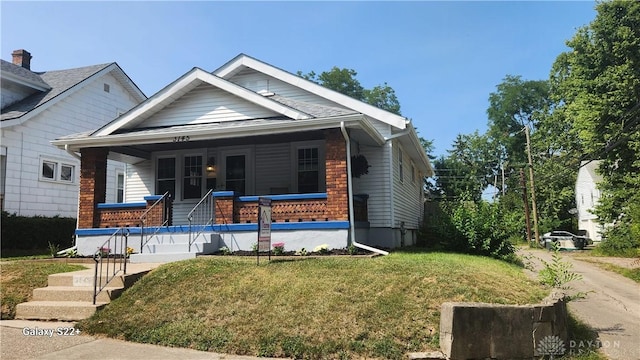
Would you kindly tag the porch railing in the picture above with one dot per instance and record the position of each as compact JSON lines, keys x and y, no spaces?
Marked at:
{"x":110,"y":259}
{"x":200,"y":217}
{"x":154,"y":214}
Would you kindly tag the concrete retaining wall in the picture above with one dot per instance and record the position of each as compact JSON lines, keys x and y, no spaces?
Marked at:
{"x":481,"y":331}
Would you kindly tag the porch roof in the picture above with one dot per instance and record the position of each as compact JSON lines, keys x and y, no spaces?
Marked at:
{"x":132,"y":141}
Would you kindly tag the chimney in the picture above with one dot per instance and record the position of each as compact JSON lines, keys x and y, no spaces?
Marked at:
{"x":22,"y":58}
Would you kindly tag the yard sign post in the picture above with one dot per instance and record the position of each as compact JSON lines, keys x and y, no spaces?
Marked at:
{"x":264,"y":226}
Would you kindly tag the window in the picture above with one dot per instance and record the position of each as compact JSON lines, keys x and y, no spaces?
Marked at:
{"x":166,"y":175}
{"x":106,"y":88}
{"x":192,"y":177}
{"x":120,"y":187}
{"x":58,"y":171}
{"x":400,"y":165}
{"x":49,"y":170}
{"x":308,"y":170}
{"x":66,"y":173}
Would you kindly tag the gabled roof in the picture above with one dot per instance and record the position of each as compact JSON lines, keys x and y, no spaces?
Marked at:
{"x":186,"y":83}
{"x":58,"y":85}
{"x":243,"y":61}
{"x":22,"y":76}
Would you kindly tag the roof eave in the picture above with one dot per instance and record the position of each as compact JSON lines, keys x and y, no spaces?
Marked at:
{"x":198,"y":134}
{"x":25,"y":82}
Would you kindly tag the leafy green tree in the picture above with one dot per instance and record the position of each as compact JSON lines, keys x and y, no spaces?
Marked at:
{"x":345,"y":82}
{"x":596,"y":89}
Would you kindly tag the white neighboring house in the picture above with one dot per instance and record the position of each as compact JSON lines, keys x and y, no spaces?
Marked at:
{"x":37,"y":178}
{"x":250,"y":129}
{"x":587,"y":197}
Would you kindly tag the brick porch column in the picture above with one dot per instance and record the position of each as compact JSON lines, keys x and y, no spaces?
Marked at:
{"x":336,"y":175}
{"x":93,"y":185}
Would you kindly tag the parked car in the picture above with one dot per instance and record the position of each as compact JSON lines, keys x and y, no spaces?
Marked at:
{"x":579,"y":242}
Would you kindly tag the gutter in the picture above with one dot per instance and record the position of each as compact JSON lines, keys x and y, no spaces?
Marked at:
{"x":352,"y":230}
{"x":72,"y":153}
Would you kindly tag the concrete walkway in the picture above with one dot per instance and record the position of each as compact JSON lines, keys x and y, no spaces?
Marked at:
{"x":16,"y":343}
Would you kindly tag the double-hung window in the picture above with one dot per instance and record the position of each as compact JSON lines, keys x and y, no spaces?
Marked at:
{"x":308,"y":170}
{"x":166,"y":176}
{"x":192,"y":177}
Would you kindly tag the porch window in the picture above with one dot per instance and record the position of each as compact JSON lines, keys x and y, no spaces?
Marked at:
{"x":66,"y":173}
{"x":166,"y":175}
{"x":308,"y":170}
{"x":236,"y":173}
{"x":120,"y":187}
{"x":192,"y":177}
{"x":49,"y":170}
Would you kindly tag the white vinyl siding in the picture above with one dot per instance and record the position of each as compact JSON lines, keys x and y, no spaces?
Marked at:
{"x":273,"y":166}
{"x":86,"y":109}
{"x":207,"y":104}
{"x":257,"y":82}
{"x":375,"y":183}
{"x":407,"y":197}
{"x":139,"y":181}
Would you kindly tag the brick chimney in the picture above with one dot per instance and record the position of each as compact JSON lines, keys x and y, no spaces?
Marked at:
{"x":22,"y":58}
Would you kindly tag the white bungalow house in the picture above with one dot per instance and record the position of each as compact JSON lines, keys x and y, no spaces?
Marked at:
{"x":587,"y":197}
{"x":202,"y":151}
{"x":37,"y":178}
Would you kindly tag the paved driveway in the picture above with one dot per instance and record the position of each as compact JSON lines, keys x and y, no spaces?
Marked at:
{"x":612,"y":306}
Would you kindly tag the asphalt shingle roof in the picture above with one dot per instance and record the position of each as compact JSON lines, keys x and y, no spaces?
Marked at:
{"x":58,"y":80}
{"x":315,"y":110}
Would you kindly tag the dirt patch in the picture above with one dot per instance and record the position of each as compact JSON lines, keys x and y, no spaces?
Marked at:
{"x":629,"y":263}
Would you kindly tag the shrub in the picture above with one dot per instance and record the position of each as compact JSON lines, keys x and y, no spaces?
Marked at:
{"x":31,"y":233}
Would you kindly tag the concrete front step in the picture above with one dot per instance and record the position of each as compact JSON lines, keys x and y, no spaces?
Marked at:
{"x":197,"y":247}
{"x":57,"y":310}
{"x":75,"y":293}
{"x":69,"y":296}
{"x":164,"y":257}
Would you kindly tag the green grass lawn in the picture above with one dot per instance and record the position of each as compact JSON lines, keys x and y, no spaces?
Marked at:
{"x":19,"y":278}
{"x":334,"y":307}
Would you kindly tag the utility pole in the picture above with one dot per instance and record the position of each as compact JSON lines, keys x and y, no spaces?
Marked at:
{"x":525,"y":199}
{"x":533,"y":189}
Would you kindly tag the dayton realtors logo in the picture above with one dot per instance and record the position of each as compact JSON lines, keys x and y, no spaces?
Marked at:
{"x":551,"y":345}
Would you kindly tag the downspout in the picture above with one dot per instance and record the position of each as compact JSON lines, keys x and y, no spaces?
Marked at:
{"x":352,"y":229}
{"x":75,"y":238}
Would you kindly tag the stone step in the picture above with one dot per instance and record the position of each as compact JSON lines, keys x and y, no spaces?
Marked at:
{"x":75,"y":293}
{"x":81,"y":279}
{"x":57,"y":310}
{"x":163,"y":258}
{"x":205,"y":248}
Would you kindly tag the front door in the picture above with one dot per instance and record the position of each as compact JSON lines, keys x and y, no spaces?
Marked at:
{"x":236,"y":173}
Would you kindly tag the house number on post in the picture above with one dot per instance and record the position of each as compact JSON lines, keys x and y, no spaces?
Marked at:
{"x":180,"y":138}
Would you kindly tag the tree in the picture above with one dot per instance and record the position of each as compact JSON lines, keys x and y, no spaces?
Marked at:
{"x":516,"y":104}
{"x":344,"y":81}
{"x":596,"y":89}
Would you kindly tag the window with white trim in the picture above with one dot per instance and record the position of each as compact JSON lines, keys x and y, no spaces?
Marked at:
{"x":308,"y":170}
{"x":57,"y":171}
{"x":166,"y":175}
{"x":192,"y":177}
{"x":119,"y":187}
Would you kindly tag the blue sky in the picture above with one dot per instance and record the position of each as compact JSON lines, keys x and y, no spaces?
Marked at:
{"x":442,"y":58}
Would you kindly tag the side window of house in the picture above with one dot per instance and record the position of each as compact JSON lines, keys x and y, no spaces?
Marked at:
{"x":119,"y":187}
{"x":308,"y":170}
{"x":400,"y":165}
{"x":413,"y":173}
{"x":54,"y":170}
{"x":192,"y":177}
{"x":166,"y":175}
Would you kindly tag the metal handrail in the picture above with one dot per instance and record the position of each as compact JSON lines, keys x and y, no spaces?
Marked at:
{"x":204,"y":213}
{"x":143,"y":218}
{"x":115,"y":248}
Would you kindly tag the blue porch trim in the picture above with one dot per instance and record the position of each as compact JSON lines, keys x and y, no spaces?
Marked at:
{"x":285,"y":197}
{"x":121,"y":205}
{"x":304,"y":225}
{"x":153,"y":197}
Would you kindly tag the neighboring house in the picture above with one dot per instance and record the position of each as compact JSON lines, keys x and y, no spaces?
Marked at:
{"x":246,"y":130}
{"x":587,"y":198}
{"x":37,"y":178}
